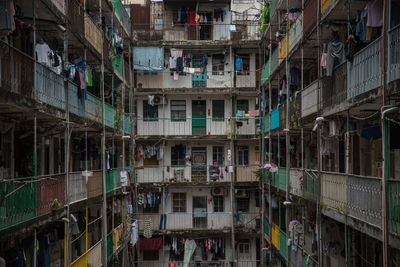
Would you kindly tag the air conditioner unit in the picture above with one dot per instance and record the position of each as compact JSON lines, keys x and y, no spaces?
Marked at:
{"x":160,"y":100}
{"x":242,"y":193}
{"x":217,"y":191}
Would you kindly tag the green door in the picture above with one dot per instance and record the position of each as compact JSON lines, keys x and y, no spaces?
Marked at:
{"x":199,"y":121}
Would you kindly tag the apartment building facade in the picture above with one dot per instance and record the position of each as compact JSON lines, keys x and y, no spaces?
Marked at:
{"x":330,"y":87}
{"x":65,"y":139}
{"x":197,"y":128}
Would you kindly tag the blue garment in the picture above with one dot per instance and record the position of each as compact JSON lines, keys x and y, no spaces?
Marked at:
{"x":205,"y":19}
{"x":179,"y":15}
{"x":238,"y":64}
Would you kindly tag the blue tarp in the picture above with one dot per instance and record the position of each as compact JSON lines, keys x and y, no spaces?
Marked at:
{"x":148,"y":58}
{"x":275,"y":119}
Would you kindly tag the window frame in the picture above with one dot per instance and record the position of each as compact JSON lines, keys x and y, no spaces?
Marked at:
{"x":240,"y":202}
{"x":245,"y":65}
{"x":218,"y":65}
{"x":218,"y":204}
{"x":217,"y":103}
{"x":182,"y":112}
{"x":177,"y":157}
{"x":177,"y":199}
{"x":147,"y":110}
{"x":244,"y":246}
{"x":218,"y":152}
{"x":243,"y":156}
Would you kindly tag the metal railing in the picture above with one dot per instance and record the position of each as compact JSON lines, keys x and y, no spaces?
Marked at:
{"x":247,"y":173}
{"x":365,"y":71}
{"x":296,"y":32}
{"x":93,"y":34}
{"x":393,"y":186}
{"x":334,"y":89}
{"x":76,"y":105}
{"x":309,"y":15}
{"x":16,"y":71}
{"x":181,"y":174}
{"x":187,"y":220}
{"x":309,"y":99}
{"x":109,"y":115}
{"x":77,"y":187}
{"x":196,"y":126}
{"x":94,"y":184}
{"x":219,"y":263}
{"x":334,"y":190}
{"x":94,"y":108}
{"x":247,"y":220}
{"x":49,"y":87}
{"x":394,"y":54}
{"x":113,"y":179}
{"x":76,"y":17}
{"x":122,"y":14}
{"x":50,"y":194}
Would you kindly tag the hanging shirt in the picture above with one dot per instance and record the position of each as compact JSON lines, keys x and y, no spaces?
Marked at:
{"x":375,"y":13}
{"x":238,"y":64}
{"x":192,"y":18}
{"x":58,"y":68}
{"x":205,"y":19}
{"x":43,"y":54}
{"x":172,"y":63}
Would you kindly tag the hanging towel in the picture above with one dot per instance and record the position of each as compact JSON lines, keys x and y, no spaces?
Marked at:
{"x":190,"y":247}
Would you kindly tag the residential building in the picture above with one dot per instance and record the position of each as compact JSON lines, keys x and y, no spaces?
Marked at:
{"x":65,"y":133}
{"x":197,"y":129}
{"x":330,"y":87}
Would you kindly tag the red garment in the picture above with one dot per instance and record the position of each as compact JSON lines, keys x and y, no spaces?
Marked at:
{"x":150,"y":243}
{"x":192,"y":18}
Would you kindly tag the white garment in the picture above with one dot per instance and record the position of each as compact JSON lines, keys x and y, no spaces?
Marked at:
{"x":134,"y":232}
{"x":176,"y":52}
{"x":172,"y":62}
{"x":59,"y":67}
{"x":43,"y":52}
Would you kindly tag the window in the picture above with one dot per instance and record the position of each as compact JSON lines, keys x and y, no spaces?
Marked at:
{"x":218,"y":155}
{"x":150,"y":162}
{"x":178,"y":110}
{"x":218,"y":110}
{"x":179,"y":202}
{"x":245,"y":65}
{"x":218,"y":62}
{"x":243,"y":155}
{"x":150,"y":255}
{"x":243,"y":204}
{"x":178,"y":155}
{"x":218,"y":203}
{"x":258,"y":199}
{"x":150,"y":113}
{"x":242,"y":104}
{"x":244,"y":246}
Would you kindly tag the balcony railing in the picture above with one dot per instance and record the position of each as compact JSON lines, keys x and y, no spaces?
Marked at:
{"x":309,"y":15}
{"x":295,"y":111}
{"x":364,"y":197}
{"x":94,"y":184}
{"x":76,"y":17}
{"x":49,"y":87}
{"x":325,"y":4}
{"x":279,"y":178}
{"x":247,"y":220}
{"x":394,"y":54}
{"x":93,"y":34}
{"x":76,"y":105}
{"x":77,"y":187}
{"x":94,"y":255}
{"x":272,"y":8}
{"x":18,"y":202}
{"x":283,"y":50}
{"x":122,"y":14}
{"x":198,"y":262}
{"x":265,"y":72}
{"x":309,"y":100}
{"x":94,"y":108}
{"x":296,"y":32}
{"x":187,"y":221}
{"x":181,"y":174}
{"x":247,"y":173}
{"x":365,"y":71}
{"x":334,"y":89}
{"x":50,"y":194}
{"x":394,"y":206}
{"x":113,"y":179}
{"x":110,"y":115}
{"x":310,"y":184}
{"x":189,"y":126}
{"x":334,"y":190}
{"x":16,"y":71}
{"x":118,"y":64}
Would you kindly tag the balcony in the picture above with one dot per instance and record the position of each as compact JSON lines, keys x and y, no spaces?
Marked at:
{"x":283,"y":50}
{"x":333,"y":190}
{"x":394,"y":206}
{"x":94,"y":255}
{"x":49,"y":190}
{"x":93,"y":34}
{"x":274,"y":61}
{"x":188,"y":221}
{"x":334,"y":89}
{"x":309,"y":100}
{"x":247,"y":173}
{"x":49,"y":87}
{"x":94,"y":110}
{"x":275,"y":119}
{"x":394,"y":54}
{"x":295,"y":111}
{"x":76,"y":17}
{"x":198,"y":260}
{"x":279,"y":179}
{"x":188,"y":126}
{"x":182,"y":174}
{"x":309,"y":16}
{"x":19,"y":78}
{"x":122,"y":14}
{"x":109,"y":115}
{"x":246,"y":220}
{"x":128,"y":124}
{"x":265,"y":72}
{"x":113,"y":179}
{"x":267,"y":122}
{"x":272,"y":8}
{"x":18,"y":203}
{"x":118,"y":65}
{"x":76,"y":105}
{"x":94,"y":184}
{"x":365,"y":71}
{"x":77,"y":187}
{"x":296,"y":32}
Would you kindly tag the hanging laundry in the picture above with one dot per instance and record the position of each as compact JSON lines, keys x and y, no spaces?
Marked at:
{"x":192,"y":18}
{"x":43,"y":53}
{"x":238,"y":64}
{"x":374,"y":13}
{"x":176,"y":76}
{"x":172,"y":63}
{"x":147,"y":228}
